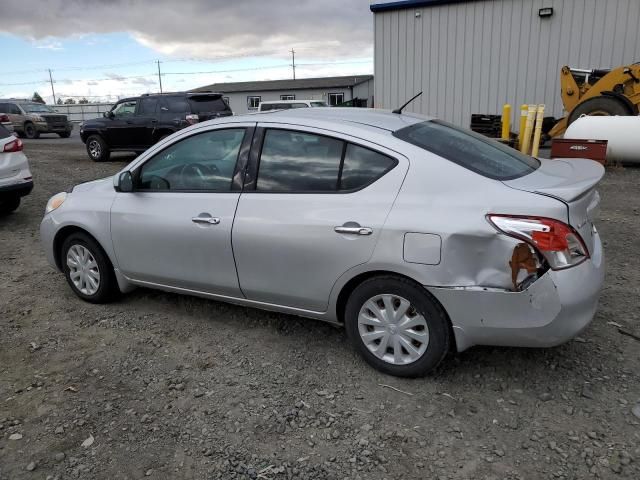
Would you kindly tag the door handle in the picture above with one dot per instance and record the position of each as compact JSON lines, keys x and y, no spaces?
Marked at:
{"x":354,"y":230}
{"x":208,"y":220}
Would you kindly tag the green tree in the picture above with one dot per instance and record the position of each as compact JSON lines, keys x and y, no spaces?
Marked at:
{"x":69,"y":101}
{"x":59,"y":102}
{"x":37,"y":98}
{"x":83,"y":100}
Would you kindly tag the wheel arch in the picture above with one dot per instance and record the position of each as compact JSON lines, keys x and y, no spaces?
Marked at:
{"x":633,"y":109}
{"x":351,"y":284}
{"x":63,"y":234}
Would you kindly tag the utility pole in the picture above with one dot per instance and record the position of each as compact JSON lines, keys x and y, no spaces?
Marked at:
{"x":159,"y":76}
{"x":52,"y":90}
{"x":293,"y":55}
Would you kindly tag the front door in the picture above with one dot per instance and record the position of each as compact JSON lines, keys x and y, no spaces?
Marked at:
{"x":120,"y":130}
{"x":174,"y":229}
{"x":317,"y":209}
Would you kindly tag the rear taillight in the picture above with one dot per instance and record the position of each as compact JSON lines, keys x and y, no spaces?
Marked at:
{"x":556,"y":241}
{"x":4,"y":117}
{"x":14,"y":146}
{"x":192,"y":118}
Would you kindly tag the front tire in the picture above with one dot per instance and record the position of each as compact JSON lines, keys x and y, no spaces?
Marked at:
{"x":88,"y":269}
{"x":8,"y":205}
{"x":397,"y":326}
{"x":97,"y":149}
{"x":30,"y":131}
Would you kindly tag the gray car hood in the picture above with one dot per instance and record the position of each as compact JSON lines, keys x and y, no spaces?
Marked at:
{"x":102,"y":184}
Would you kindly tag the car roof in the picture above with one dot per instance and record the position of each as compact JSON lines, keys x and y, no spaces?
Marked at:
{"x":365,"y":117}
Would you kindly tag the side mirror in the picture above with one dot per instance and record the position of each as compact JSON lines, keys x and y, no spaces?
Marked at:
{"x":123,"y":182}
{"x":108,"y":114}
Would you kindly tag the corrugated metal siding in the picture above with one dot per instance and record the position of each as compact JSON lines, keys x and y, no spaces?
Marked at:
{"x":473,"y":57}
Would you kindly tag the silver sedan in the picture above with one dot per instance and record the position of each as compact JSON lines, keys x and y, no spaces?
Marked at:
{"x":417,"y":236}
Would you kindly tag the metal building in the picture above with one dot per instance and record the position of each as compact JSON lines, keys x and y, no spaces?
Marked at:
{"x":472,"y":56}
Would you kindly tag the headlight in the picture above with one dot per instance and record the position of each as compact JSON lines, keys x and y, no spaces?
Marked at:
{"x":55,"y":202}
{"x":38,"y":118}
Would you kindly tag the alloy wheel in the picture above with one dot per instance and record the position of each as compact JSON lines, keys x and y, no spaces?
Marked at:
{"x":83,"y":269}
{"x":94,"y":149}
{"x":392,"y":329}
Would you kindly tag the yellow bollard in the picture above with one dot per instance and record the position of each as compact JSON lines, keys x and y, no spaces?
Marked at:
{"x":523,"y":121}
{"x":528,"y":129}
{"x":506,"y":121}
{"x":538,"y":131}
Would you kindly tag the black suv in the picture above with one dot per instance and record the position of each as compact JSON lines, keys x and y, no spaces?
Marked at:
{"x":134,"y":124}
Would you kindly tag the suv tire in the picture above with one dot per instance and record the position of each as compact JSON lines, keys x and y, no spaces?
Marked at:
{"x":30,"y":131}
{"x":97,"y":149}
{"x":9,"y":204}
{"x":399,"y":316}
{"x":87,"y":269}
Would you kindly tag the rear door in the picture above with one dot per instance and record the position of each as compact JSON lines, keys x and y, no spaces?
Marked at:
{"x":144,"y":121}
{"x":313,"y":207}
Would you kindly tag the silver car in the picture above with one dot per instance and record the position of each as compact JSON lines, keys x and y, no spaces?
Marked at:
{"x":417,"y":236}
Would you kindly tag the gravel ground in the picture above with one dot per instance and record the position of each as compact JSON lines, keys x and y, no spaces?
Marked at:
{"x":166,"y":386}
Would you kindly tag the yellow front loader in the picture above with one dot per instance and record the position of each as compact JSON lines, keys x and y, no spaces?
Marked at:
{"x":598,"y":92}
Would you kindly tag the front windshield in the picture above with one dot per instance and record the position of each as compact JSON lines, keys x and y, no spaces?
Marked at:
{"x":37,"y":108}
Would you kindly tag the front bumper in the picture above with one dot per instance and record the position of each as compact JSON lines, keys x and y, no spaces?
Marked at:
{"x":552,"y":311}
{"x":54,"y":128}
{"x":48,"y":230}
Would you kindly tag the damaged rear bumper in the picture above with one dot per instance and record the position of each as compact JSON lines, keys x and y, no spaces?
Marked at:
{"x":553,"y":310}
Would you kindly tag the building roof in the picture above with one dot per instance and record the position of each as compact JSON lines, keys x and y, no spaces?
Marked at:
{"x":401,"y":4}
{"x":298,"y":84}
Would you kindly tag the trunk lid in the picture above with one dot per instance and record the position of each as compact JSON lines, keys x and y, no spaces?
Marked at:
{"x":573,"y":182}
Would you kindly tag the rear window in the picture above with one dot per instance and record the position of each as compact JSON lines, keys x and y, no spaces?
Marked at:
{"x":4,"y":133}
{"x":207,"y":103}
{"x":469,"y":149}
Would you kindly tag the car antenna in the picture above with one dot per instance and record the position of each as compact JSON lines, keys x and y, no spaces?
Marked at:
{"x":399,"y":110}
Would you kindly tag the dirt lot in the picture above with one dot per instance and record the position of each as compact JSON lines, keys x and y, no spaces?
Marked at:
{"x":166,"y":386}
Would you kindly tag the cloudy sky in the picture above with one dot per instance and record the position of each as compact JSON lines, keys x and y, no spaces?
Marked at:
{"x":100,"y":48}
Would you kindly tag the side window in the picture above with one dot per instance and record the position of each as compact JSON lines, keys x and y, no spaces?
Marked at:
{"x":178,"y":105}
{"x":298,"y":162}
{"x":202,"y":162}
{"x":148,"y":106}
{"x":125,"y":109}
{"x":362,"y":167}
{"x":298,"y":105}
{"x":14,"y":109}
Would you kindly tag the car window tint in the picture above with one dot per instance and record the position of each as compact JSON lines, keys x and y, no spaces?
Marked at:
{"x":298,"y":105}
{"x":148,"y":106}
{"x":178,"y":104}
{"x":125,"y":109}
{"x":201,"y":162}
{"x":298,"y":162}
{"x":4,"y":133}
{"x":363,"y":166}
{"x":469,"y":149}
{"x":207,"y":103}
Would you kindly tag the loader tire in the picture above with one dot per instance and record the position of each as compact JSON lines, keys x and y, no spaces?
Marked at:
{"x":603,"y":106}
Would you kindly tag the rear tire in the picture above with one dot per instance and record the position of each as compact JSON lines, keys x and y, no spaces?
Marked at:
{"x":397,"y":326}
{"x":30,"y":131}
{"x":97,"y":148}
{"x":87,"y":269}
{"x":8,"y":205}
{"x":602,"y":105}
